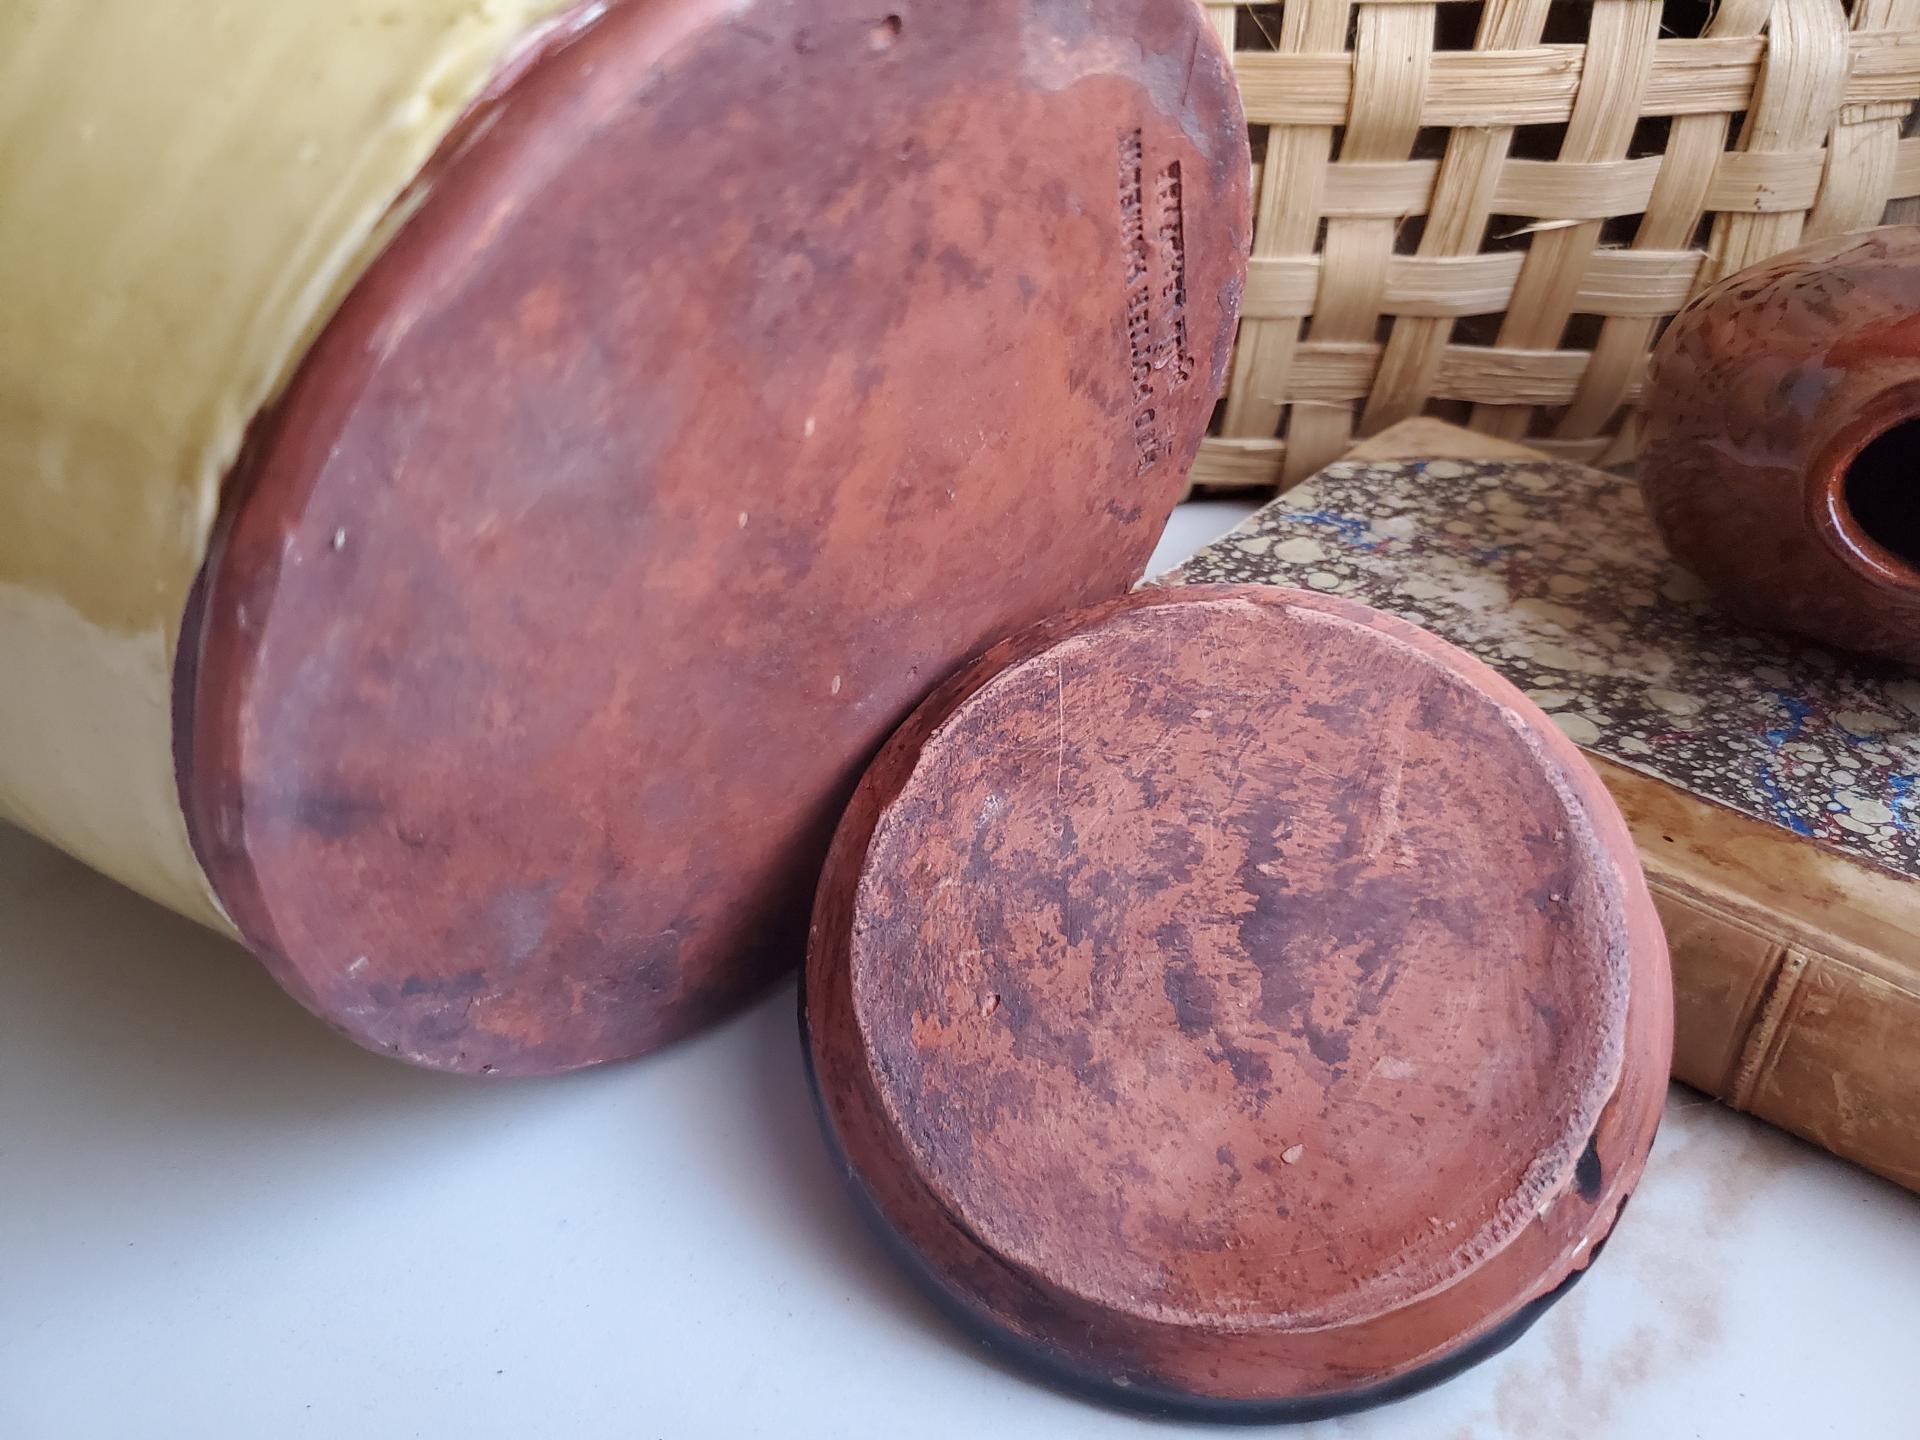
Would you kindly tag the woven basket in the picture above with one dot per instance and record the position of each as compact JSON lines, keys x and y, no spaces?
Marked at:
{"x":1486,"y":210}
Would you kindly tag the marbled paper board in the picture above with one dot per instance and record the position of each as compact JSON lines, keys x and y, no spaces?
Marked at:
{"x":1551,"y":573}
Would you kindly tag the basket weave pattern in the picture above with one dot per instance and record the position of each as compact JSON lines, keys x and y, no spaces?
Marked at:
{"x":1487,"y":209}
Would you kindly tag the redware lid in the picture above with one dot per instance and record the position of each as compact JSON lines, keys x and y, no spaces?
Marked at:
{"x":1238,"y":1002}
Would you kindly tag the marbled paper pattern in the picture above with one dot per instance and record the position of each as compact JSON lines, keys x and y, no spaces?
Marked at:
{"x":1552,"y":573}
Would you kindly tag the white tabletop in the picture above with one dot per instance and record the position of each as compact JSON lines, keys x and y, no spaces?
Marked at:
{"x":219,"y":1220}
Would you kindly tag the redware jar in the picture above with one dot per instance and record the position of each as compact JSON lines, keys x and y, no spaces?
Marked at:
{"x":1781,"y":437}
{"x":478,"y":480}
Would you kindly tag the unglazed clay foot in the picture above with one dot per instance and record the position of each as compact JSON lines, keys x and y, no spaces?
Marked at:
{"x":737,"y":371}
{"x":1237,"y":1003}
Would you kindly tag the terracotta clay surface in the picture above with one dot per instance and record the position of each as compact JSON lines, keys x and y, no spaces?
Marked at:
{"x":742,"y":369}
{"x":1235,"y":1001}
{"x":1791,"y":924}
{"x":1780,"y":448}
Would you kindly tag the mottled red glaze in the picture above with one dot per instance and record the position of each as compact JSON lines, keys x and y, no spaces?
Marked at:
{"x":1762,"y":395}
{"x":745,"y":367}
{"x":1239,"y":994}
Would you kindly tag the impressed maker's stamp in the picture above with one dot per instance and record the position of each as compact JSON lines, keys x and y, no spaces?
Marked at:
{"x":1159,"y":355}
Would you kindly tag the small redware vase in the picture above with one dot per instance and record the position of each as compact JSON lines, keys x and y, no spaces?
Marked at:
{"x":1781,"y":436}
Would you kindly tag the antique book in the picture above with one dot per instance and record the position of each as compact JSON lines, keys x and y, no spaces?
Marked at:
{"x":1772,"y":786}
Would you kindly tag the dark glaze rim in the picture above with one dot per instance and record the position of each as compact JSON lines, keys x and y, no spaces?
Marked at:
{"x":1158,"y":1402}
{"x":1830,"y":513}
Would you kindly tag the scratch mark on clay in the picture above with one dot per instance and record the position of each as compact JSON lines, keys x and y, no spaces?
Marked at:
{"x":1386,"y":824}
{"x":1193,"y":59}
{"x":1060,"y":755}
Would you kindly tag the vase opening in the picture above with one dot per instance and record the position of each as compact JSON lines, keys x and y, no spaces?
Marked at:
{"x":1879,"y":493}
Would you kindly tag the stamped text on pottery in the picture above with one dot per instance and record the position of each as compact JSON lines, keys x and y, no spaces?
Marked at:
{"x":1153,"y":349}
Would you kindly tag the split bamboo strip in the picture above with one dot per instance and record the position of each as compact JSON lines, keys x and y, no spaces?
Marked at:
{"x":1488,"y":209}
